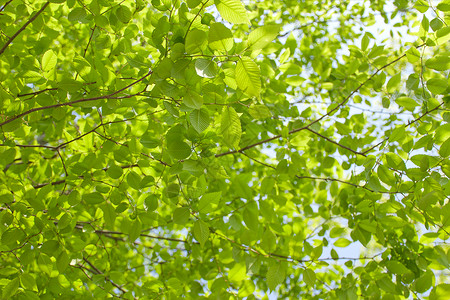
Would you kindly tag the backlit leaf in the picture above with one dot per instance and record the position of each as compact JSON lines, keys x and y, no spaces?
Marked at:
{"x":232,"y":11}
{"x":230,"y":127}
{"x":248,"y":76}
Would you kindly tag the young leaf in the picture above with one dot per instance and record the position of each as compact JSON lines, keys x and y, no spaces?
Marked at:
{"x":309,"y":277}
{"x":181,"y":215}
{"x":438,"y":62}
{"x":179,"y":150}
{"x":232,"y":11}
{"x":437,"y":85}
{"x":248,"y":76}
{"x":49,"y":60}
{"x":10,"y":289}
{"x":262,"y":36}
{"x":275,"y":275}
{"x":205,"y":68}
{"x":230,"y":127}
{"x":220,"y":37}
{"x":406,"y":102}
{"x":196,"y":41}
{"x":201,"y":232}
{"x":199,"y":119}
{"x":135,"y":230}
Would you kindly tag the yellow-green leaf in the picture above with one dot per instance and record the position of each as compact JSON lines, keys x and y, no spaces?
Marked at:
{"x":232,"y":11}
{"x":248,"y":76}
{"x":230,"y":127}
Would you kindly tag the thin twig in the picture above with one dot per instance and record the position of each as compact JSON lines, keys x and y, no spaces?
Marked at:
{"x":320,"y":118}
{"x":77,"y":101}
{"x":23,"y":27}
{"x":336,"y":143}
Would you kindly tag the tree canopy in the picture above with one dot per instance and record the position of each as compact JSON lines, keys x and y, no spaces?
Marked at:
{"x":224,"y":149}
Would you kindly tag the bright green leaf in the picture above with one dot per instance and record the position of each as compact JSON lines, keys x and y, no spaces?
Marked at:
{"x":232,"y":11}
{"x":248,"y":76}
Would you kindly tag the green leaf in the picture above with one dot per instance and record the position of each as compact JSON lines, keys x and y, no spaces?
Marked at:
{"x":199,"y":119}
{"x":193,"y":3}
{"x":421,"y":5}
{"x":114,"y":172}
{"x":134,"y":180}
{"x":62,"y":262}
{"x":275,"y":275}
{"x":438,"y":62}
{"x":251,"y":219}
{"x":220,"y":37}
{"x":207,"y":201}
{"x":10,"y":289}
{"x":230,"y":127}
{"x":442,"y":36}
{"x":309,"y":277}
{"x":262,"y":36}
{"x":181,"y":215}
{"x":49,"y":60}
{"x":407,"y":102}
{"x":386,"y":175}
{"x":437,"y":85}
{"x":440,"y":292}
{"x":124,"y":14}
{"x":393,"y":83}
{"x":259,"y":112}
{"x":32,"y":76}
{"x":413,"y":55}
{"x":77,"y":14}
{"x":232,"y":11}
{"x":135,"y":230}
{"x":193,"y":100}
{"x":205,"y":68}
{"x":444,"y":150}
{"x":82,"y":66}
{"x":424,"y":282}
{"x":109,"y":214}
{"x":196,"y":41}
{"x":93,"y":198}
{"x":397,"y":267}
{"x":201,"y":232}
{"x":342,"y":242}
{"x":179,"y":150}
{"x":248,"y":76}
{"x":444,"y":6}
{"x":28,"y":281}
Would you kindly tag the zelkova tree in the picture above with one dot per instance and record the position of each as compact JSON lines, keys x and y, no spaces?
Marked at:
{"x":224,"y":149}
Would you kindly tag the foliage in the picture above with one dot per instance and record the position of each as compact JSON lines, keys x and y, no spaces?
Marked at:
{"x":224,"y":149}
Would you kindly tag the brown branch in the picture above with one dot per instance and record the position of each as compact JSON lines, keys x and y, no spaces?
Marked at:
{"x":142,"y":234}
{"x":41,"y":185}
{"x":5,"y":5}
{"x":289,"y":258}
{"x":98,"y":272}
{"x":423,"y":115}
{"x":323,"y":116}
{"x":258,"y":161}
{"x":406,"y":125}
{"x":336,"y":143}
{"x":36,"y":93}
{"x":23,"y":27}
{"x":345,"y":182}
{"x":77,"y":101}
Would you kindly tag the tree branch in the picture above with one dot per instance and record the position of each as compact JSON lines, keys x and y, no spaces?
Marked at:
{"x":346,"y":182}
{"x":322,"y":117}
{"x":23,"y":27}
{"x":98,"y":272}
{"x":77,"y":101}
{"x":336,"y":143}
